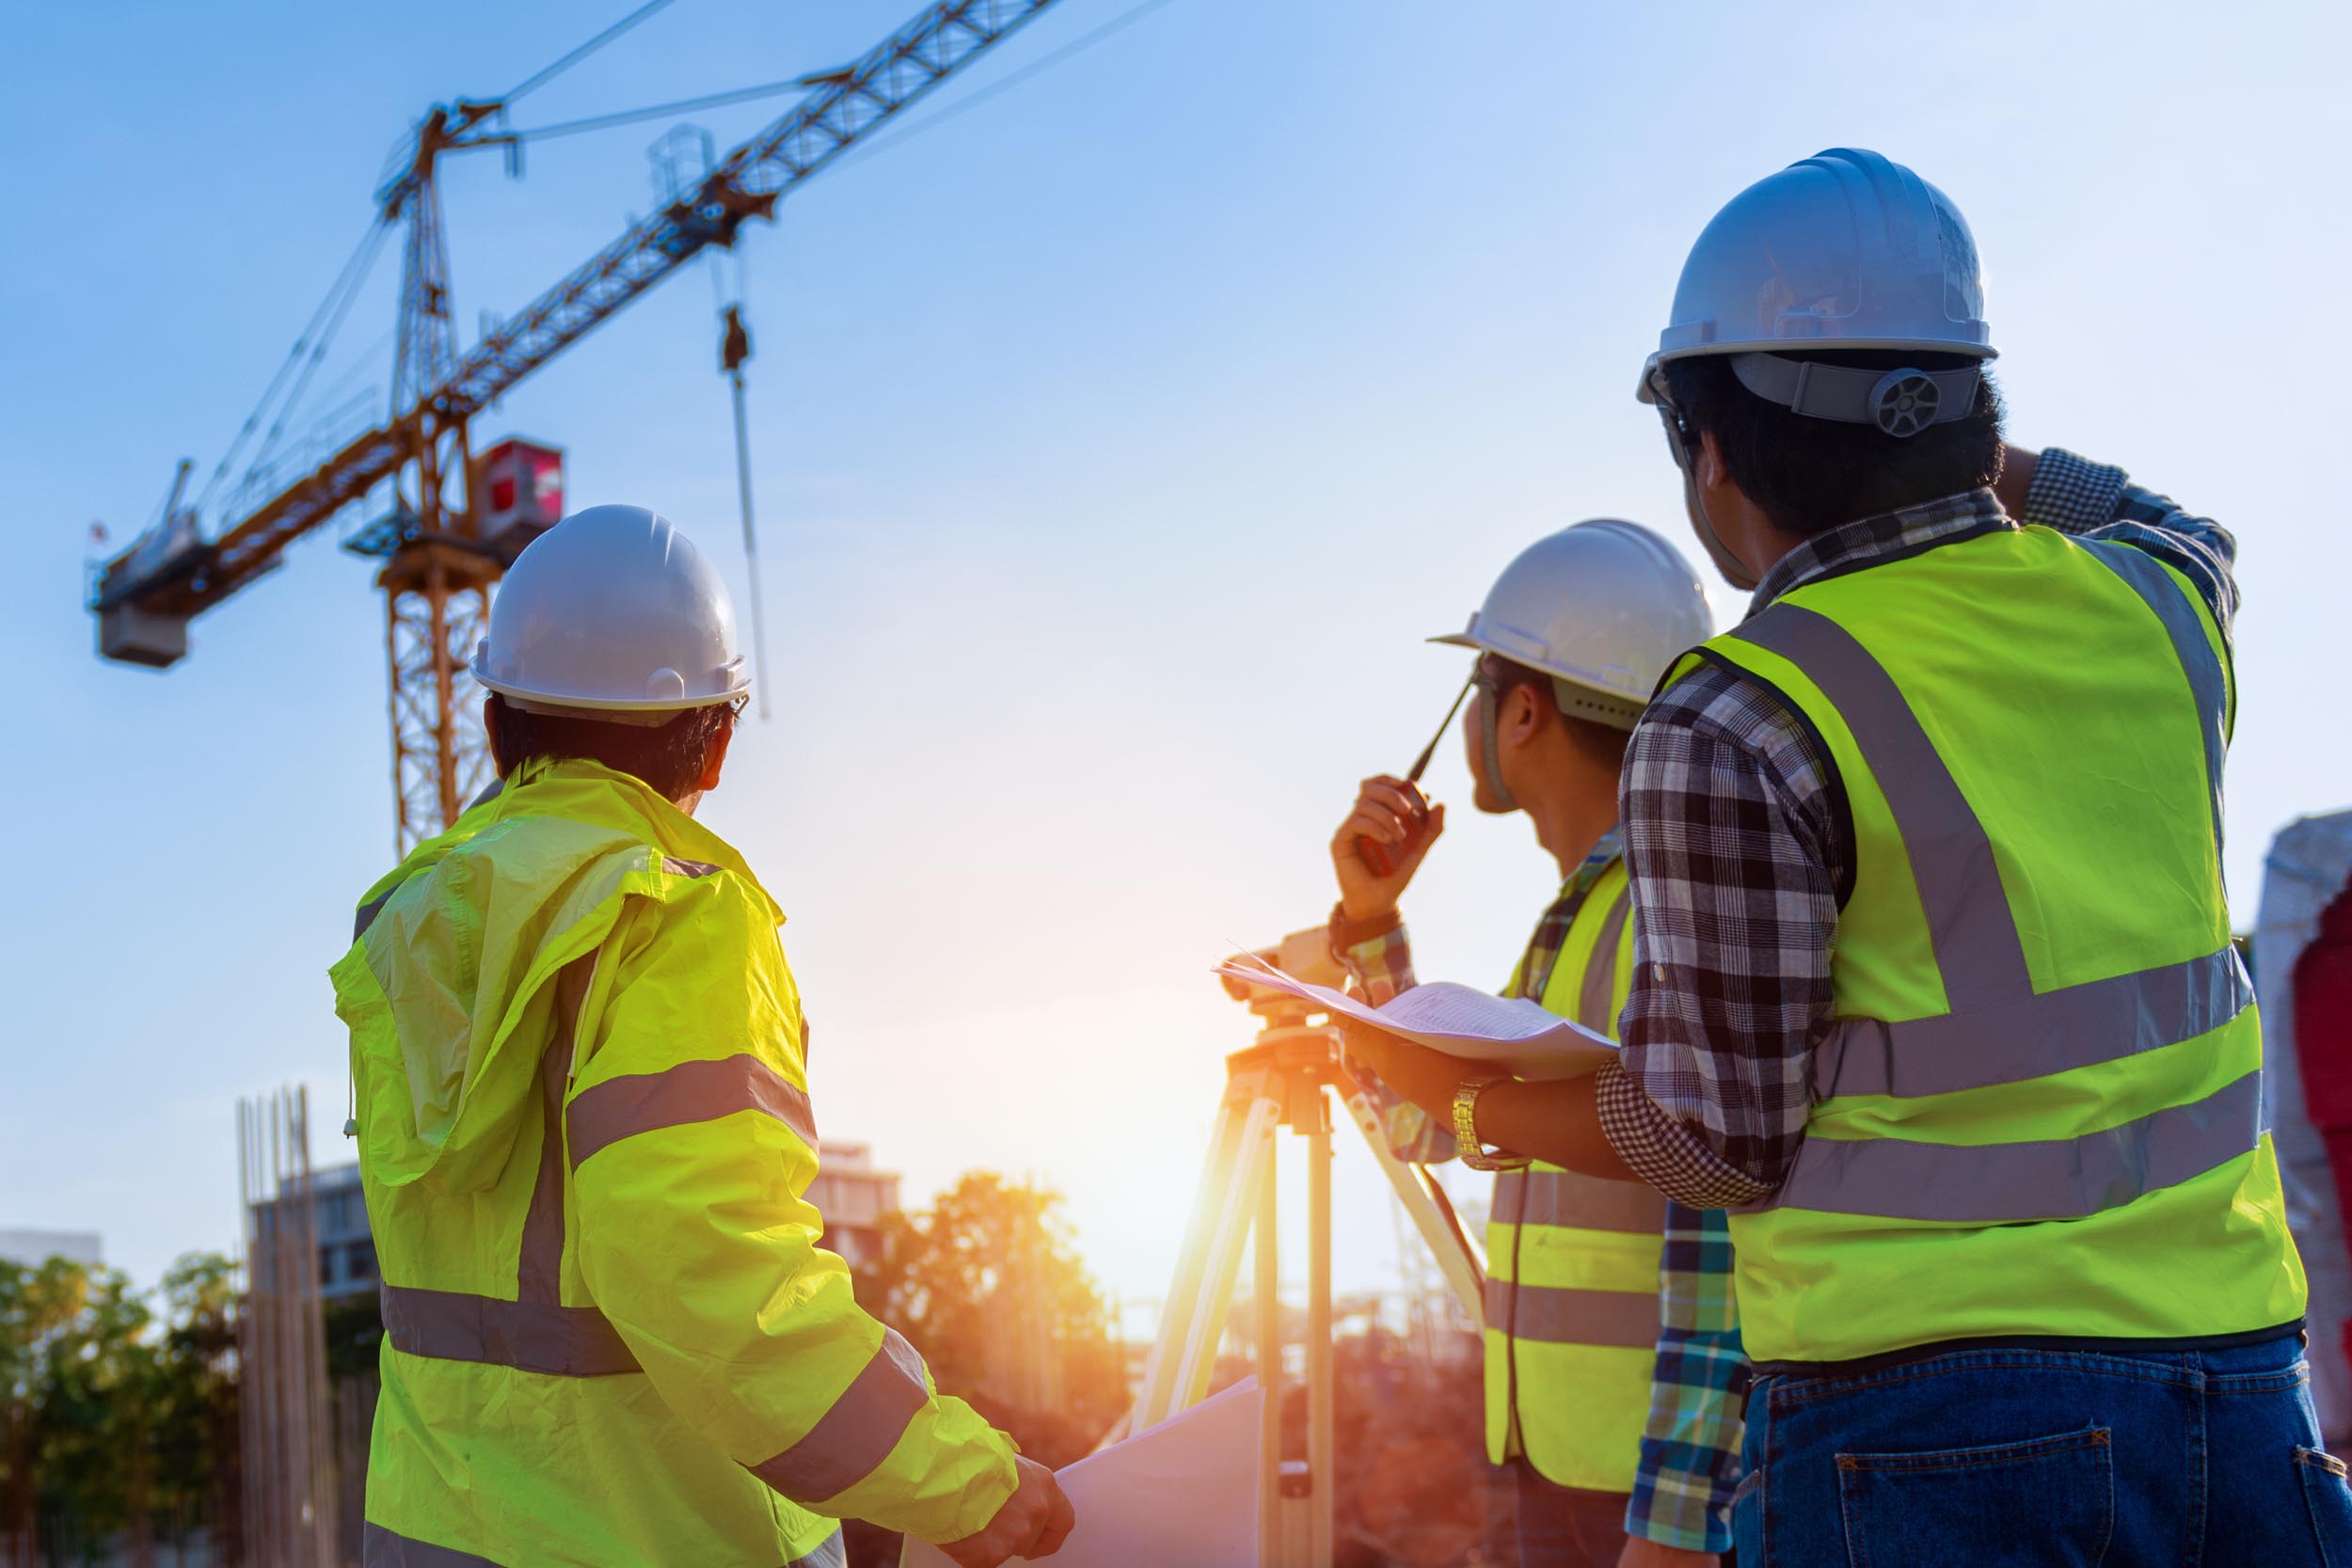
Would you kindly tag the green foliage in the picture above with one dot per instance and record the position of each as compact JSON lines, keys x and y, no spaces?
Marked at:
{"x":989,"y":1277}
{"x":111,"y":1421}
{"x":354,"y":1328}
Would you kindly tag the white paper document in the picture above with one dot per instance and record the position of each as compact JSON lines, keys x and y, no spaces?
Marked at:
{"x":1510,"y":1032}
{"x":1184,"y":1492}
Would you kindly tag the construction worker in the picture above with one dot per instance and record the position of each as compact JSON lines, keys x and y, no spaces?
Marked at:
{"x":1620,"y":1418}
{"x":1933,"y":985}
{"x":610,"y":1336}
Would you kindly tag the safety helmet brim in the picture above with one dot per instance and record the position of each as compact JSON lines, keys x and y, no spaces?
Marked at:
{"x":732,"y":681}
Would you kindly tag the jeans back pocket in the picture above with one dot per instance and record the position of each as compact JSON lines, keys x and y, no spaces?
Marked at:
{"x":2328,"y":1495}
{"x":2047,"y":1500}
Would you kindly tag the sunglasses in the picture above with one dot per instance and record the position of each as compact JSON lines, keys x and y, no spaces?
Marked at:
{"x":1681,"y":439}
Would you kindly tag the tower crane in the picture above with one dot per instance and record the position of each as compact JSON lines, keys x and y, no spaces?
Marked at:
{"x":455,"y":524}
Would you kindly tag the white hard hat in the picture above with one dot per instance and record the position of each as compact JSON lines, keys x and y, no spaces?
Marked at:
{"x":1602,"y":607}
{"x":612,"y":609}
{"x":1844,"y":250}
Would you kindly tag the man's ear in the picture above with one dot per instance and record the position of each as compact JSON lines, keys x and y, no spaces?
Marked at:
{"x":716,"y":759}
{"x":1523,"y":719}
{"x":490,"y":732}
{"x":1712,"y":472}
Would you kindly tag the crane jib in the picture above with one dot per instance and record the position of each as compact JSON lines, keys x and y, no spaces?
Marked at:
{"x":748,"y":181}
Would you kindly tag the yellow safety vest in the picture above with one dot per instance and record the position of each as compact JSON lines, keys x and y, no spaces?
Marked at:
{"x":1572,"y":1309}
{"x":611,"y":1337}
{"x":2039,"y":1109}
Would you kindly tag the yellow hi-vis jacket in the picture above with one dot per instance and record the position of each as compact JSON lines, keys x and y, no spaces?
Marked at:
{"x":611,"y":1337}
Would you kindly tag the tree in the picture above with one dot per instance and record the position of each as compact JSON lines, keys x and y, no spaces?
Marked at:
{"x":34,"y":1305}
{"x":197,"y":1439}
{"x":109,"y":1421}
{"x":988,"y":1285}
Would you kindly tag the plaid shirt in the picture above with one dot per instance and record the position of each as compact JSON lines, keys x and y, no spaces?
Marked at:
{"x":1690,"y":1458}
{"x":1739,"y":859}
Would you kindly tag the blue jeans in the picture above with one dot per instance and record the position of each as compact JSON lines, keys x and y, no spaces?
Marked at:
{"x":1993,"y":1458}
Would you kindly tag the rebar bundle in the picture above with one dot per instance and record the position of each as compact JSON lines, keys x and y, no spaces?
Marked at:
{"x":287,"y":1435}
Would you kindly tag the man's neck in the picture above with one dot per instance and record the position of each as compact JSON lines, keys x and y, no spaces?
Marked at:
{"x":1569,"y":820}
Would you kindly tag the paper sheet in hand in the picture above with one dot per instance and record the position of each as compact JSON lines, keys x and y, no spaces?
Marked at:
{"x":1184,"y":1492}
{"x":1511,"y":1032}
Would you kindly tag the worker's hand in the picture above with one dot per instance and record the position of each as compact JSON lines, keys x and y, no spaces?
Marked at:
{"x":1426,"y":1077}
{"x":1641,"y":1553}
{"x":1034,"y":1522}
{"x":1400,"y":818}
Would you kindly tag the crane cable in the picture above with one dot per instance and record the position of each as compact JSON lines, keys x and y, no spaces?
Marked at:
{"x":656,"y":111}
{"x":313,"y":344}
{"x":546,"y":74}
{"x":1079,"y":45}
{"x":346,"y":380}
{"x":344,"y":285}
{"x":801,"y":83}
{"x":318,"y":353}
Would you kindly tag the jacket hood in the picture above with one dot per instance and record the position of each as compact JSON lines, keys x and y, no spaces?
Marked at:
{"x":448,"y":986}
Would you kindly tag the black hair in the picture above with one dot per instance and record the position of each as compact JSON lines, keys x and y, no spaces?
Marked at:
{"x":669,"y":757}
{"x":1603,"y":741}
{"x":1809,"y":474}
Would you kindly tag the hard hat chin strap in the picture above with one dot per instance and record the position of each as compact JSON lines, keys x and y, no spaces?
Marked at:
{"x":1736,"y":571}
{"x":1490,"y":751}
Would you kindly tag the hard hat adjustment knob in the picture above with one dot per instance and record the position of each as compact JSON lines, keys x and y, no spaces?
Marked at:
{"x":1905,"y":401}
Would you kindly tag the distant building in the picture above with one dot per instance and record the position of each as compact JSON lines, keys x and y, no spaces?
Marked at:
{"x":33,"y":1248}
{"x":852,"y":1195}
{"x":339,"y":1219}
{"x":346,"y":1247}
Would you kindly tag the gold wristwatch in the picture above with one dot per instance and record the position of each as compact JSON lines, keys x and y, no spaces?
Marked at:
{"x":1466,"y":1128}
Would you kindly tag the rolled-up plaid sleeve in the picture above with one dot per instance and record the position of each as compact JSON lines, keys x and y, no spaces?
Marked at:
{"x":1689,"y":1461}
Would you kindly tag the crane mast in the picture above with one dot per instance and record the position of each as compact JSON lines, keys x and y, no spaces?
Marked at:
{"x":441,"y":562}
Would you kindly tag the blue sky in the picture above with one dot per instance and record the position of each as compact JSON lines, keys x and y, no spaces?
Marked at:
{"x":1117,"y":442}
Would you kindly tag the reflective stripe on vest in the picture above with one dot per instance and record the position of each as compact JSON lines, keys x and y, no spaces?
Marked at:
{"x":528,"y":1336}
{"x":2029,"y":731}
{"x":1571,"y":1306}
{"x":1545,"y":1194}
{"x":386,"y":1548}
{"x":1558,"y":1315}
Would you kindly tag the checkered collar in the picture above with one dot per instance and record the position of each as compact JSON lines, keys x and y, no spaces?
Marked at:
{"x":1849,"y":546}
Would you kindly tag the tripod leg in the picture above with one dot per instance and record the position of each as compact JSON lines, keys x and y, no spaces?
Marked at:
{"x":1271,"y":1545}
{"x":1459,"y":1256}
{"x":1193,"y":1317}
{"x":1157,"y":1398}
{"x":1321,"y":1456}
{"x":1222,"y":1263}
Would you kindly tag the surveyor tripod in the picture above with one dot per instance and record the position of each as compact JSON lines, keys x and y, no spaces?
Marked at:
{"x":1278,"y":1082}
